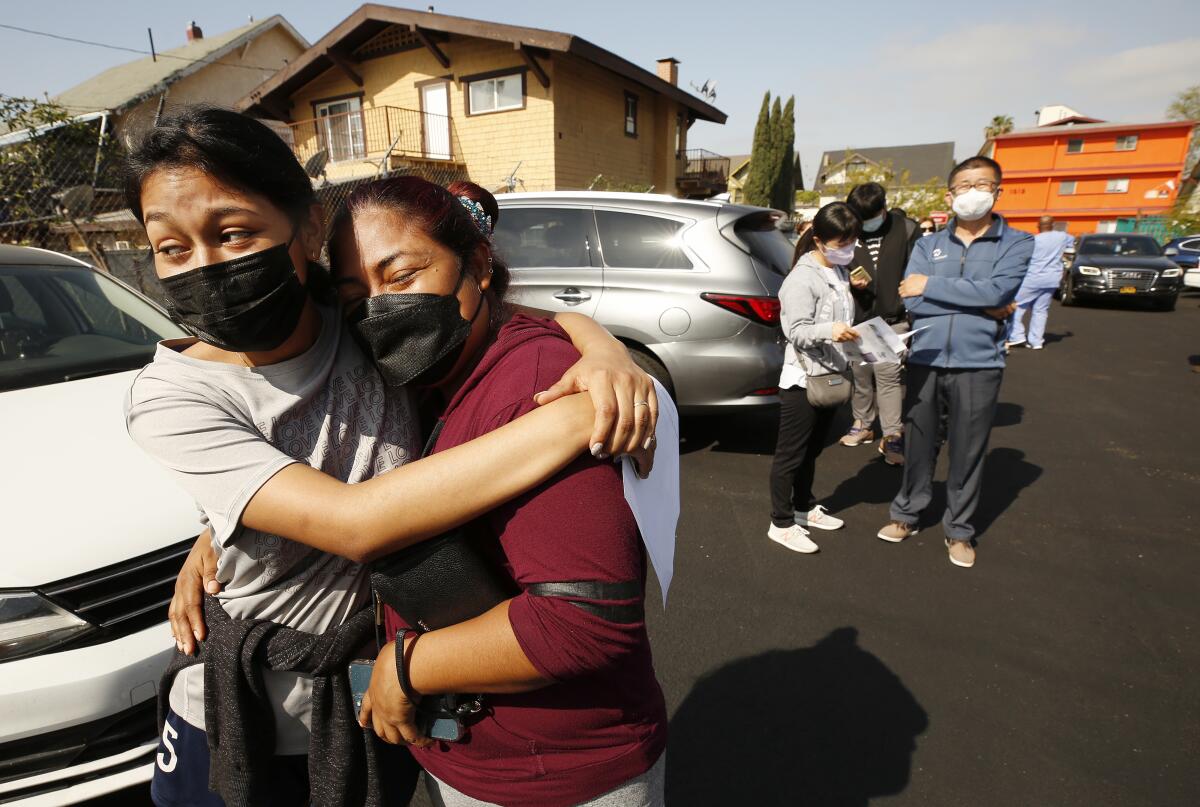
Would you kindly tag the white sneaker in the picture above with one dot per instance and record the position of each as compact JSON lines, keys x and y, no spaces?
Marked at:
{"x":794,"y":538}
{"x":1014,"y":343}
{"x":818,"y":518}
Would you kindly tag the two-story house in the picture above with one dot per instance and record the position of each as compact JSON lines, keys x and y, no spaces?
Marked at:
{"x":512,"y":108}
{"x":1092,"y":176}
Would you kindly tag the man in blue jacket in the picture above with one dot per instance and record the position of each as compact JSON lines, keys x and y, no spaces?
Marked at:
{"x":957,"y":286}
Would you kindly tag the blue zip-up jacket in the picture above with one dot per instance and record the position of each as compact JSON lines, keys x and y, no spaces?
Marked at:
{"x":964,"y":280}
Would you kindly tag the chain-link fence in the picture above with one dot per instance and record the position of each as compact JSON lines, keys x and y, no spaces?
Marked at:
{"x":59,"y":181}
{"x":60,"y":188}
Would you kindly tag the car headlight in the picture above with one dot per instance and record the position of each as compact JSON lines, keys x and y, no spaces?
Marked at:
{"x":1174,"y":271}
{"x":1088,"y":270}
{"x":30,"y":624}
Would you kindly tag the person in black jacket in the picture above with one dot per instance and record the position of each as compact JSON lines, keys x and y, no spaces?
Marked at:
{"x":883,"y":249}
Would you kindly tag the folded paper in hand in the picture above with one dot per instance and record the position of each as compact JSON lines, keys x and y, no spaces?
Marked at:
{"x":877,"y":343}
{"x":655,"y":500}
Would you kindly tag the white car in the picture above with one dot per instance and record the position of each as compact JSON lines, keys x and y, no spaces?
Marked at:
{"x":1191,"y":278}
{"x":92,"y":534}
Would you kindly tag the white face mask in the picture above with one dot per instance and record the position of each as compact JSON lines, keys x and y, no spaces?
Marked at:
{"x":873,"y":224}
{"x":839,"y":256}
{"x":973,"y":204}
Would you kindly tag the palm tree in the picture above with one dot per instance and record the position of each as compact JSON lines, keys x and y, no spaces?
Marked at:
{"x":1001,"y":124}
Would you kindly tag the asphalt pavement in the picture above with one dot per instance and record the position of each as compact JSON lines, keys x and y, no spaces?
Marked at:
{"x":1061,"y":670}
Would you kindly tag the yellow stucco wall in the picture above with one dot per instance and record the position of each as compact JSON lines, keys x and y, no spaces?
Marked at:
{"x":490,"y":145}
{"x":590,"y":115}
{"x":563,"y":138}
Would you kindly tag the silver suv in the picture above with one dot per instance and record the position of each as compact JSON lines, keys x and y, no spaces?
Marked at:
{"x":691,"y":287}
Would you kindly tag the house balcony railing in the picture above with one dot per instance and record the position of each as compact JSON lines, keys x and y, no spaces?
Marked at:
{"x":374,"y":135}
{"x":703,"y":173}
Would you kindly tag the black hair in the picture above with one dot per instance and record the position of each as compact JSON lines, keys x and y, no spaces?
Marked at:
{"x":440,"y":214}
{"x":238,"y":150}
{"x":836,"y":221}
{"x":978,"y":161}
{"x":867,"y":200}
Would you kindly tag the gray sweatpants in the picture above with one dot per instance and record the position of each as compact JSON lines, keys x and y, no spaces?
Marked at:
{"x":969,"y":399}
{"x":878,"y":390}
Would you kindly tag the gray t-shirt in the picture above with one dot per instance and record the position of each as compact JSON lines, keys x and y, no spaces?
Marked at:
{"x":222,"y":431}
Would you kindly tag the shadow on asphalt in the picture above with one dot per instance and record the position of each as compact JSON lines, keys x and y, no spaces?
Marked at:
{"x":823,"y":725}
{"x":1007,"y":414}
{"x":752,"y":433}
{"x":1005,"y":474}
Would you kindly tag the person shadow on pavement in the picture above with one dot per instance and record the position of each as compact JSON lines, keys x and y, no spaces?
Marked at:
{"x":823,"y":725}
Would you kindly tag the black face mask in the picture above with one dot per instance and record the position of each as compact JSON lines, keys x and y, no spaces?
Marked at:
{"x":413,"y":338}
{"x":246,"y":304}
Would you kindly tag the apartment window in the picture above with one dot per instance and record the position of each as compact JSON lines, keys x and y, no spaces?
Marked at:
{"x":1106,"y":226}
{"x":1117,"y":186}
{"x":1066,"y":187}
{"x":1127,"y":142}
{"x":340,"y":124}
{"x":1075,"y":145}
{"x":679,"y":137}
{"x":631,"y":104}
{"x":495,"y":93}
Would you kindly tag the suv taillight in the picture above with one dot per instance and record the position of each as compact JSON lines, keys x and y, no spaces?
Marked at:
{"x":763,"y":310}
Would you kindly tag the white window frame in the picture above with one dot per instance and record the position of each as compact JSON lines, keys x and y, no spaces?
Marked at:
{"x":1130,"y":143}
{"x":1109,"y":226}
{"x":1119,"y":185}
{"x":1062,"y":187}
{"x":355,"y":130}
{"x":516,"y":75}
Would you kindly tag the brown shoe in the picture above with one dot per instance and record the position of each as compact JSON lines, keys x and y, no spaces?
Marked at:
{"x":961,"y":553}
{"x":896,"y":531}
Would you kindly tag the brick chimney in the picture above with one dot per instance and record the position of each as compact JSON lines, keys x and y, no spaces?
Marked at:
{"x":194,"y":32}
{"x":668,"y":70}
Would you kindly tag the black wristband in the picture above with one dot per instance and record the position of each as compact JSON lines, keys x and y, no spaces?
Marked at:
{"x":402,"y":666}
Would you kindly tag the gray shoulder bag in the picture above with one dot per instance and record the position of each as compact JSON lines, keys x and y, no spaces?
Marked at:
{"x":828,"y":390}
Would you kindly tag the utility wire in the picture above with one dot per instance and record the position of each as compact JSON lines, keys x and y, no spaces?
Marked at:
{"x":130,"y":50}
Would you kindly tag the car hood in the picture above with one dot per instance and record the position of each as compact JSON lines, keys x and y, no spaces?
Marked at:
{"x":77,"y":494}
{"x":1159,"y":262}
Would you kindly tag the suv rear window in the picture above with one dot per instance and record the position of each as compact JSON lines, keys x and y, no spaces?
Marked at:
{"x":633,"y":241}
{"x":763,"y":238}
{"x":59,"y":324}
{"x":542,"y":237}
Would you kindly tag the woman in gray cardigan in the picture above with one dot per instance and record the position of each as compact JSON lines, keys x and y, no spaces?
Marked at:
{"x":817,"y":306}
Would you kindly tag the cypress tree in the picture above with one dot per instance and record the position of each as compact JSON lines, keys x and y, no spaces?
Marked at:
{"x":758,"y":183}
{"x":784,"y":195}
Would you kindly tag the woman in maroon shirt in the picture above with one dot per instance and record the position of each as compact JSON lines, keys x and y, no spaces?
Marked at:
{"x":573,"y":712}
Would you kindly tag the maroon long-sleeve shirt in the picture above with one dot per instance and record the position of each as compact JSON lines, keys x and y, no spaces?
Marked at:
{"x":603,"y":721}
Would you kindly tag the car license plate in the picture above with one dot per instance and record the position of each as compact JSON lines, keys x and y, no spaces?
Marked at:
{"x":1129,"y":290}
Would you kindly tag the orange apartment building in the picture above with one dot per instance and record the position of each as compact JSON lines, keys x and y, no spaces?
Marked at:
{"x":1092,"y":176}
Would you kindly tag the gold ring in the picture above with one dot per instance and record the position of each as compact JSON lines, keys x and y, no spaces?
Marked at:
{"x":641,"y":403}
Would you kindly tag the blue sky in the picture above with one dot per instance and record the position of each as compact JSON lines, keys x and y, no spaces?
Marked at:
{"x":865,"y":74}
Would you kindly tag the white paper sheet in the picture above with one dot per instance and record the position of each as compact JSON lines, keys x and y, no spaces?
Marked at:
{"x":877,"y":343}
{"x":655,"y":500}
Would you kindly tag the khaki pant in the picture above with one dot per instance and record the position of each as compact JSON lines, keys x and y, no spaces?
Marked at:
{"x":878,"y":390}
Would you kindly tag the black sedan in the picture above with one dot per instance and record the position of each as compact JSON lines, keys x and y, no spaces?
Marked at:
{"x":1121,"y":265}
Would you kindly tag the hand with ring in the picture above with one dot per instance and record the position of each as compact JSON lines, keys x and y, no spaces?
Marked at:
{"x":643,"y":456}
